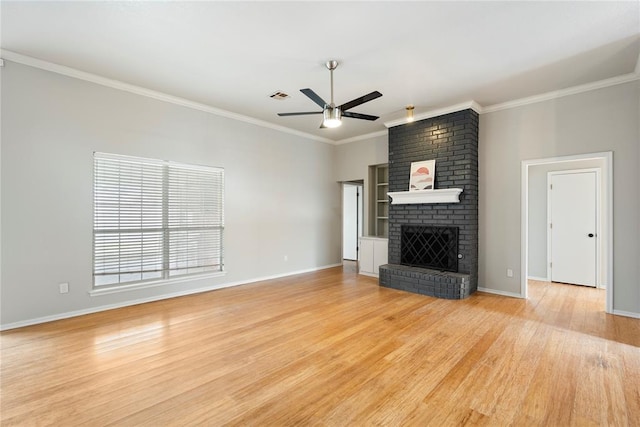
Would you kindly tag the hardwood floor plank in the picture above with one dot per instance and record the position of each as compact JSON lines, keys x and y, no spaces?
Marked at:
{"x":329,"y":348}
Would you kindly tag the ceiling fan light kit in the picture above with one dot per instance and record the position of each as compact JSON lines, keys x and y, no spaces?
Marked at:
{"x":332,"y":115}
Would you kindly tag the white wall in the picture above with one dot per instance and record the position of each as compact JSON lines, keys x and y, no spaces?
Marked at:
{"x":596,"y":121}
{"x":352,"y":161}
{"x":538,"y":228}
{"x":282,"y":197}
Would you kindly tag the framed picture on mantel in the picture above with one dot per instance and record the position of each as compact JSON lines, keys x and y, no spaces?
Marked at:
{"x":423,"y":175}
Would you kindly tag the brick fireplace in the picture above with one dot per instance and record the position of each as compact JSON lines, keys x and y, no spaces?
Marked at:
{"x":452,"y":140}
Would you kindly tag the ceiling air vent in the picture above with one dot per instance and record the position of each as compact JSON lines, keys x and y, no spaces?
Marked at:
{"x":279,"y":95}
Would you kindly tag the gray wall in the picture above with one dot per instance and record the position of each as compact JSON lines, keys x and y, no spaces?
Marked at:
{"x":595,"y":121}
{"x":538,"y":229}
{"x":282,"y":197}
{"x":51,"y":125}
{"x":352,"y":161}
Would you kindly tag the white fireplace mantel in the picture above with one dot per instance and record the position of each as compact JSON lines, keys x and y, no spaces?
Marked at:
{"x":443,"y":195}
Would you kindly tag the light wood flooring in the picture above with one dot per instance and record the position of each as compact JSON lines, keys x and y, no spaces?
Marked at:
{"x":329,"y":348}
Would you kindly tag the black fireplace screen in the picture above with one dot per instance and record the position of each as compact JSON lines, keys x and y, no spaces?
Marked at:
{"x":429,"y":247}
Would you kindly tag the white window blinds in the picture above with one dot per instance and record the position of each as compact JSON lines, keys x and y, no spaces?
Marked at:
{"x":155,"y":220}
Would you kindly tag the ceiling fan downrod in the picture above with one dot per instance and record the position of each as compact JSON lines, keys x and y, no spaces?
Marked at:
{"x":332,"y":65}
{"x":332,"y":116}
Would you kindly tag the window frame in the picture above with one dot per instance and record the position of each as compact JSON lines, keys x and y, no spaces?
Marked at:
{"x":168,"y":223}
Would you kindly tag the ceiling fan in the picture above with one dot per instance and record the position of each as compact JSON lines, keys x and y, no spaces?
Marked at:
{"x":332,"y":115}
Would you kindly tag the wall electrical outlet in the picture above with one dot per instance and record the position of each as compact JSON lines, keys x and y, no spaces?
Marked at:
{"x":509,"y":272}
{"x":64,"y":288}
{"x":286,"y":258}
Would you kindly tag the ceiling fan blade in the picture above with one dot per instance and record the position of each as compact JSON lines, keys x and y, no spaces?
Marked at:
{"x":366,"y":98}
{"x":314,"y":97}
{"x":359,"y":116}
{"x":302,"y":113}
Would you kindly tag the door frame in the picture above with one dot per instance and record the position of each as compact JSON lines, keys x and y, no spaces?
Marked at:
{"x":599,"y":284}
{"x":607,"y":226}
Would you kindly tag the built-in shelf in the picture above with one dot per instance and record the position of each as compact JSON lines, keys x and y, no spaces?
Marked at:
{"x":443,"y":195}
{"x":378,"y":200}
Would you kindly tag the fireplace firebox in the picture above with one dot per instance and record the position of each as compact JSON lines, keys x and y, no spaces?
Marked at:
{"x":433,"y":247}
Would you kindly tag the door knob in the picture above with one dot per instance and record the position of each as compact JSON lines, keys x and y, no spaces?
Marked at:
{"x":590,"y":234}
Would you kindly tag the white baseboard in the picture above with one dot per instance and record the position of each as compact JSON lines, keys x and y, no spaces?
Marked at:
{"x":626,"y":314}
{"x":106,"y":307}
{"x":540,"y":279}
{"x":502,"y":293}
{"x":514,"y":295}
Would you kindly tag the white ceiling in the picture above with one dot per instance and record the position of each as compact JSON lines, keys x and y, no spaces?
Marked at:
{"x":233,"y":55}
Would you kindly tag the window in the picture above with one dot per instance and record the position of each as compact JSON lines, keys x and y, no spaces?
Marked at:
{"x":155,"y":220}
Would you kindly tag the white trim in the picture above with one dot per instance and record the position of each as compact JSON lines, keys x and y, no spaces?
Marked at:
{"x":438,"y":112}
{"x":548,"y":219}
{"x":607,"y":195}
{"x":562,"y":93}
{"x":549,"y":229}
{"x":128,"y":303}
{"x":501,"y":293}
{"x":377,"y":238}
{"x":572,"y":158}
{"x":441,"y":195}
{"x":524,"y":229}
{"x":361,"y":137}
{"x":607,"y":175}
{"x":116,"y":84}
{"x":539,"y":279}
{"x":96,"y":292}
{"x":626,"y":314}
{"x":138,"y":90}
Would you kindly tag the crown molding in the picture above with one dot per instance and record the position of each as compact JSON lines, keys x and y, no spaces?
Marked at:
{"x":138,"y":90}
{"x":600,"y":84}
{"x":438,"y":112}
{"x":361,"y":137}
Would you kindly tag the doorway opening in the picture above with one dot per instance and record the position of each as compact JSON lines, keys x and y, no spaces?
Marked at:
{"x":534,"y":234}
{"x":352,"y":218}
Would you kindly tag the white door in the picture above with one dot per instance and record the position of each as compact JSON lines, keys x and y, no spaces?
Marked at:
{"x":573,"y":227}
{"x":351,"y":221}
